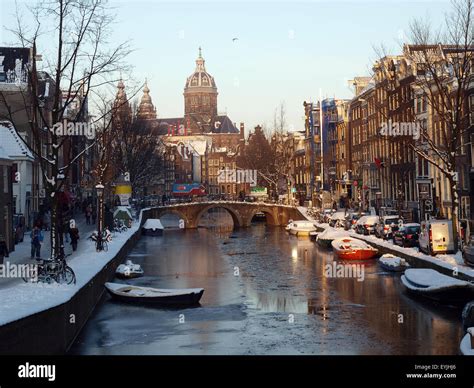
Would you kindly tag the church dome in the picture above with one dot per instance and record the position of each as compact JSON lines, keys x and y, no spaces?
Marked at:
{"x":200,"y":78}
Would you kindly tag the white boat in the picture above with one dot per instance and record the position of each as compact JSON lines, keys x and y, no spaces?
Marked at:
{"x":156,"y":296}
{"x":129,"y":270}
{"x":433,"y":285}
{"x":393,"y":263}
{"x":467,"y":343}
{"x":301,"y":228}
{"x":153,"y":227}
{"x":326,"y":237}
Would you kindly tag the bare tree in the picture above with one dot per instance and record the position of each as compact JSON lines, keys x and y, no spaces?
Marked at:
{"x":137,"y":150}
{"x":80,"y":64}
{"x":444,"y":72}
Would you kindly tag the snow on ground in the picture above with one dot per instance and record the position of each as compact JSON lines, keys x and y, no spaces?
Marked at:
{"x":448,"y":261}
{"x":20,"y":299}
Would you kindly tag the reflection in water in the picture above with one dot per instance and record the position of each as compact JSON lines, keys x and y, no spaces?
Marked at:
{"x":278,"y":276}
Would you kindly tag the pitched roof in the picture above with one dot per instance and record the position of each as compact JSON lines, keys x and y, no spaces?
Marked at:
{"x":4,"y":155}
{"x":12,"y":144}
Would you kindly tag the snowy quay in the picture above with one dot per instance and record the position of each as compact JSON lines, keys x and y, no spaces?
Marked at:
{"x":38,"y":318}
{"x":447,"y":264}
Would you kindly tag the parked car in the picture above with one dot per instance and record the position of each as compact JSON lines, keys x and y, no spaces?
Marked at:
{"x":436,"y":236}
{"x":386,"y":226}
{"x":366,"y":225}
{"x":468,"y":252}
{"x":351,"y":220}
{"x":407,"y":235}
{"x":337,"y":219}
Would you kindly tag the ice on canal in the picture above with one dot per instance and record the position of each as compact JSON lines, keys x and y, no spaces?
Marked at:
{"x":265,"y":293}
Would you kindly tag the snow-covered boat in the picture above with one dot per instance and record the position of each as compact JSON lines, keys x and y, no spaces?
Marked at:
{"x":467,"y":343}
{"x":348,"y":248}
{"x":301,"y":228}
{"x":153,"y":227}
{"x":393,"y":263}
{"x":326,"y":237}
{"x":129,"y":270}
{"x":156,"y":296}
{"x":433,"y":285}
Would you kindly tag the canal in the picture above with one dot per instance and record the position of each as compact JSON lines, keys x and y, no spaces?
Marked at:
{"x":265,"y":293}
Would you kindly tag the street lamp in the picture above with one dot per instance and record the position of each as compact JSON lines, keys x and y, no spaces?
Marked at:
{"x":100,"y":219}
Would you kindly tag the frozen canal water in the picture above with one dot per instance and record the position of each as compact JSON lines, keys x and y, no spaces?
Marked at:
{"x":280,"y":302}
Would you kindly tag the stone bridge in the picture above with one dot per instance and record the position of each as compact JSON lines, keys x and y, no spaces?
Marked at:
{"x":241,"y":212}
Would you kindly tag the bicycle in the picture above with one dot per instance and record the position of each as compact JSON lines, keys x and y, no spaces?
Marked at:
{"x":50,"y":270}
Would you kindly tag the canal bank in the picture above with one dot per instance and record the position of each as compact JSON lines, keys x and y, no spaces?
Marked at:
{"x":445,"y":264}
{"x":45,"y":319}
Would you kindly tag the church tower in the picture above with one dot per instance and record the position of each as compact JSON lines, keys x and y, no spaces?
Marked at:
{"x":122,"y":111}
{"x":200,"y":99}
{"x":146,"y":110}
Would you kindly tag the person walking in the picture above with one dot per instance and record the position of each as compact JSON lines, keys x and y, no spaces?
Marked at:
{"x":74,"y":234}
{"x":66,"y":229}
{"x":94,"y":215}
{"x":36,"y":240}
{"x":3,"y":249}
{"x":88,"y":214}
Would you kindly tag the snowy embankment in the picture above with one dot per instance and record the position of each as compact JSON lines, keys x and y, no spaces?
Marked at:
{"x":24,"y":299}
{"x":449,"y":261}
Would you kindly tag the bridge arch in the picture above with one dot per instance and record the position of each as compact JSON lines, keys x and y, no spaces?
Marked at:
{"x":160,"y":212}
{"x":236,"y":217}
{"x":269,"y":214}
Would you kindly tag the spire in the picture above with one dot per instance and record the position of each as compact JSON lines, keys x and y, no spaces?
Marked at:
{"x":200,"y":62}
{"x":146,"y":110}
{"x":121,"y":105}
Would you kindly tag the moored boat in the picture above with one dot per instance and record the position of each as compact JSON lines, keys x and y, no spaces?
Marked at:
{"x":154,"y":296}
{"x":129,"y":270}
{"x":393,"y":263}
{"x":433,"y":285}
{"x":348,"y":248}
{"x":467,"y":343}
{"x":301,"y":228}
{"x":153,"y":227}
{"x":326,"y":237}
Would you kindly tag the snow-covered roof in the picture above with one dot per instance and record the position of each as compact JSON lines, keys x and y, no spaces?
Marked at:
{"x":3,"y":154}
{"x":119,"y":209}
{"x":13,"y":145}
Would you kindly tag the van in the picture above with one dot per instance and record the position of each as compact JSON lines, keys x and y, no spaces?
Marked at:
{"x":436,"y":236}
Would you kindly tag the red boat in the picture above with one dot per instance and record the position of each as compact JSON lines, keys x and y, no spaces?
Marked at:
{"x":347,"y":248}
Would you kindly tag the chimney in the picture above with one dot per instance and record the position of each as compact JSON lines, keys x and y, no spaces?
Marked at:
{"x":242,"y":131}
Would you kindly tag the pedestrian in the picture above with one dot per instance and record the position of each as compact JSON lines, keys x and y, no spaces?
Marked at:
{"x":88,"y":214}
{"x":94,"y":215}
{"x":36,"y":240}
{"x":74,"y":234}
{"x":3,"y":249}
{"x":46,"y":220}
{"x":65,"y":230}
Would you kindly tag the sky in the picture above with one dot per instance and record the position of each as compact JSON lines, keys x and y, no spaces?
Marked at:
{"x":286,"y":52}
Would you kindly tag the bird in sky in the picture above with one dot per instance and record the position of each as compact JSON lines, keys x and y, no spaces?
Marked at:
{"x":234,"y":39}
